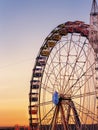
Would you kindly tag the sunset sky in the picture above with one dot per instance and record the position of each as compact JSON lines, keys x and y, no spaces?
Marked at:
{"x":24,"y":24}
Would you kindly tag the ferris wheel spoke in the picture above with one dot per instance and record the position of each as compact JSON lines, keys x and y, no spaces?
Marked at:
{"x":83,"y":115}
{"x":81,"y":81}
{"x":53,"y":69}
{"x":48,"y":79}
{"x":48,"y":89}
{"x":83,"y":122}
{"x":80,"y":70}
{"x":54,"y":75}
{"x":59,"y":70}
{"x":88,"y":113}
{"x":45,"y":103}
{"x":80,"y":87}
{"x":78,"y":45}
{"x":59,"y":61}
{"x":71,"y":73}
{"x":85,"y":73}
{"x":46,"y":114}
{"x":87,"y":116}
{"x":51,"y":86}
{"x":67,"y":60}
{"x":84,"y":95}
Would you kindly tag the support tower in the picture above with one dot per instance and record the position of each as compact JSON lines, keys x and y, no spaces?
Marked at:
{"x":93,"y":37}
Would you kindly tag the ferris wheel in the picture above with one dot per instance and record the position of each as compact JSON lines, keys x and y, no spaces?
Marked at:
{"x":63,"y":92}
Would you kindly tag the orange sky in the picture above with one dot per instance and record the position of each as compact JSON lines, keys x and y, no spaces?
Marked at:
{"x":13,"y":112}
{"x":23,"y":27}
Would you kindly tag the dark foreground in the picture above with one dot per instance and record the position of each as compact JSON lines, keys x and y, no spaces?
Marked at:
{"x":46,"y":127}
{"x":72,"y":127}
{"x":14,"y":128}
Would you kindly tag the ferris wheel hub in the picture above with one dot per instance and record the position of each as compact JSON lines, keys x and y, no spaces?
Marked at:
{"x":57,"y":98}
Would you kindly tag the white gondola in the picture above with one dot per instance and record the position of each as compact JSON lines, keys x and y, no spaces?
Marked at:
{"x":35,"y":84}
{"x":34,"y":106}
{"x":35,"y":121}
{"x":34,"y":99}
{"x":41,"y":58}
{"x":37,"y":72}
{"x":33,"y":94}
{"x":41,"y":61}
